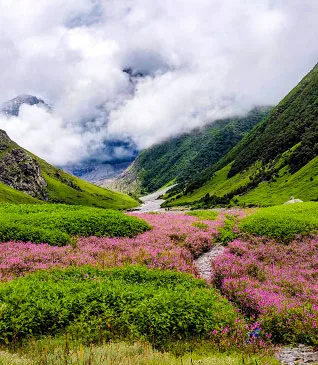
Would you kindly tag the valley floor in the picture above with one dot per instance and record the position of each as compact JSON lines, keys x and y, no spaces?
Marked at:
{"x":270,"y":282}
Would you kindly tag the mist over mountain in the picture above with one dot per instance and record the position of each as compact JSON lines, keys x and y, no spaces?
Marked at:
{"x":109,"y":160}
{"x":12,"y":107}
{"x":182,"y":159}
{"x":139,"y":72}
{"x":277,"y":159}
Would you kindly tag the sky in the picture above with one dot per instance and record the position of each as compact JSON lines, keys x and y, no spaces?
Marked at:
{"x":190,"y":62}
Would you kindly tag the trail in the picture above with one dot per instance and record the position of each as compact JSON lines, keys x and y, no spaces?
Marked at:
{"x":203,"y":263}
{"x":152,"y":203}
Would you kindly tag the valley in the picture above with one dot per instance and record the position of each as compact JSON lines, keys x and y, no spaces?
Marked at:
{"x":196,"y":272}
{"x":273,"y":157}
{"x":165,"y":261}
{"x":158,"y":183}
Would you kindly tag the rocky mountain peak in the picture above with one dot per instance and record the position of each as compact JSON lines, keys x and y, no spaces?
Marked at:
{"x":12,"y":107}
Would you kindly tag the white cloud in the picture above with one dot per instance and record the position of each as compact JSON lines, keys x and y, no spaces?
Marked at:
{"x":203,"y":60}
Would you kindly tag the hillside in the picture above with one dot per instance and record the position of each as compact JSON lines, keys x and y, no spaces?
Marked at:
{"x":276,"y":160}
{"x":25,"y":178}
{"x":182,"y":158}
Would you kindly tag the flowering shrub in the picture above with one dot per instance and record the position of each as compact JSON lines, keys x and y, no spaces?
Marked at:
{"x":172,"y":244}
{"x":273,"y":283}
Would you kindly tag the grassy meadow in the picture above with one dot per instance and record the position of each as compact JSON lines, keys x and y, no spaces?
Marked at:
{"x":128,"y":291}
{"x":302,"y":184}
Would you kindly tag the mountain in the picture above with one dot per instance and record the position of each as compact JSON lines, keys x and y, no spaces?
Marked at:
{"x":95,"y":172}
{"x":12,"y":107}
{"x":25,"y":178}
{"x":111,"y":158}
{"x":276,"y":160}
{"x":104,"y":164}
{"x":183,"y":158}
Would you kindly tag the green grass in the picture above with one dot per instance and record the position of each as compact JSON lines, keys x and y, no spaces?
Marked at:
{"x":56,"y":224}
{"x":302,"y":185}
{"x":10,"y":195}
{"x":204,"y":214}
{"x":127,"y":303}
{"x":67,"y":189}
{"x":61,"y":351}
{"x":283,"y":222}
{"x":219,"y":185}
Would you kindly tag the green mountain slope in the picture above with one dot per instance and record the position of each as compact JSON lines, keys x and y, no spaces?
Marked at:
{"x":25,"y":178}
{"x":182,"y":158}
{"x":276,"y":160}
{"x":10,"y":195}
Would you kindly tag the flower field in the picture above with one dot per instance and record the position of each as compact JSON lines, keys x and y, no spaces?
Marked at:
{"x":274,"y":284}
{"x":174,"y":241}
{"x":271,"y":283}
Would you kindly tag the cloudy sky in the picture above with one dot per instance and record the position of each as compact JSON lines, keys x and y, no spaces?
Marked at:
{"x":199,"y":59}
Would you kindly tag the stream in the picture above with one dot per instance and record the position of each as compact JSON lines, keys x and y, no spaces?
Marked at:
{"x":287,"y":355}
{"x":151,"y":203}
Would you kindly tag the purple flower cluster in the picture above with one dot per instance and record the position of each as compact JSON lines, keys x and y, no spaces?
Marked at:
{"x":173,"y":243}
{"x":274,"y":283}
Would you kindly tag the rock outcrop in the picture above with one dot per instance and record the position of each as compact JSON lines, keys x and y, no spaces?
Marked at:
{"x":12,"y":107}
{"x":19,"y":170}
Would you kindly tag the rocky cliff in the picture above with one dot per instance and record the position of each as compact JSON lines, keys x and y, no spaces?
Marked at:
{"x":19,"y":170}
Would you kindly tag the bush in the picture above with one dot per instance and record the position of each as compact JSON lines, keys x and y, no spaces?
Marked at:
{"x":56,"y":224}
{"x":204,"y":214}
{"x":122,"y":303}
{"x":283,"y":222}
{"x":226,"y":233}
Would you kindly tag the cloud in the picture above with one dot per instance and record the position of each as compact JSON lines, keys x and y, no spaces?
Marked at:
{"x":194,"y":60}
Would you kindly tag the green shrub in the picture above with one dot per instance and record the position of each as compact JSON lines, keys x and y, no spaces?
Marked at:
{"x":204,"y":214}
{"x":226,"y":233}
{"x":56,"y":224}
{"x":283,"y":222}
{"x":122,"y":303}
{"x":29,"y":233}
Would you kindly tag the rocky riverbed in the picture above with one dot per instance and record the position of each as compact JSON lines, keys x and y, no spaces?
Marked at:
{"x":203,"y":262}
{"x":152,"y":202}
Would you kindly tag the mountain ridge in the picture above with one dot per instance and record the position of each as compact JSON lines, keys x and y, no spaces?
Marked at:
{"x":280,"y":147}
{"x":12,"y":107}
{"x":180,"y":159}
{"x":25,"y":177}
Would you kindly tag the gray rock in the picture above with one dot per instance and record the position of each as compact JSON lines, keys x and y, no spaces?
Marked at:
{"x":298,"y":355}
{"x":203,"y":263}
{"x":19,"y":170}
{"x":12,"y":107}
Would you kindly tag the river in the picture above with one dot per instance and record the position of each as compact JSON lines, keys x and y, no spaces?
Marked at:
{"x":151,"y":203}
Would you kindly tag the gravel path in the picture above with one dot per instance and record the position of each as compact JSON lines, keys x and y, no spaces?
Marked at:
{"x":203,"y":262}
{"x":298,"y":355}
{"x":152,"y":203}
